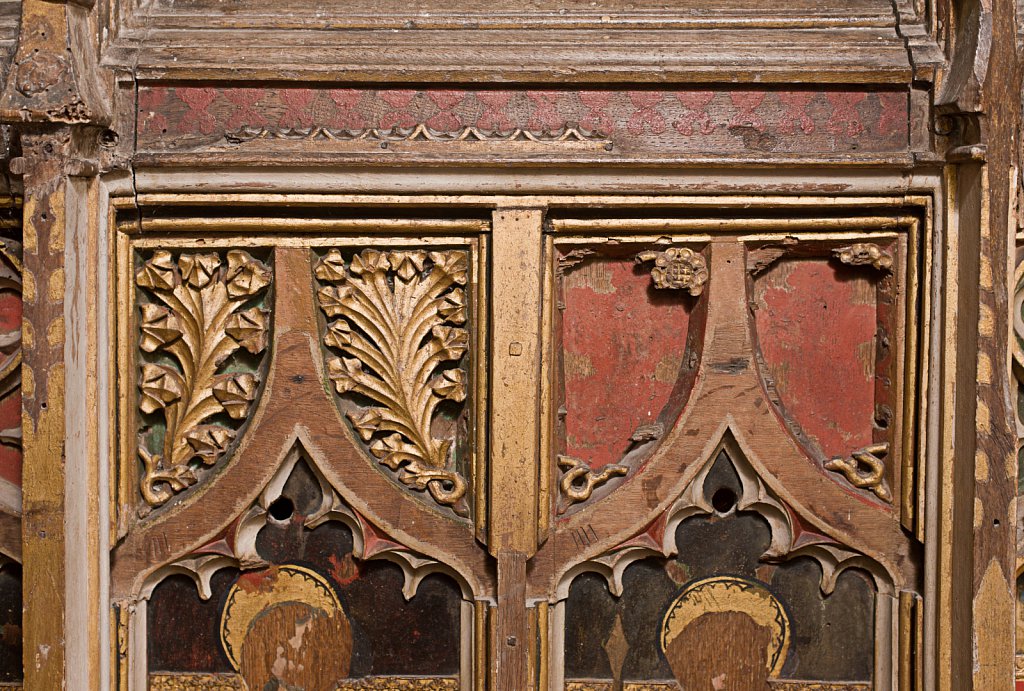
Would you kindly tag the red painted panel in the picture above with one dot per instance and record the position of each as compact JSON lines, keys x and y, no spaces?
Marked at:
{"x":623,"y":345}
{"x":10,"y":405}
{"x":816,"y":324}
{"x":10,"y":456}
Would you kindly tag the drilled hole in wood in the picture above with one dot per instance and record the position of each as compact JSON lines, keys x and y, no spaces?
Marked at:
{"x":281,"y":509}
{"x":723,"y":500}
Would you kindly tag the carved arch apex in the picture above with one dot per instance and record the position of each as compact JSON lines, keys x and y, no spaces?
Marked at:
{"x":236,"y":548}
{"x":742,"y":453}
{"x":756,"y":496}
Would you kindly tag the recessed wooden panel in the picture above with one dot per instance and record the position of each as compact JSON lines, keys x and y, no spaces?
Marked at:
{"x":622,"y":350}
{"x":817,"y":325}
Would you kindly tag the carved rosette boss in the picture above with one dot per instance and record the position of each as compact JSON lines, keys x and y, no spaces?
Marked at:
{"x":677,"y":268}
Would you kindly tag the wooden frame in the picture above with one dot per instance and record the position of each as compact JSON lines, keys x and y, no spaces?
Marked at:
{"x":88,"y":172}
{"x":169,"y":228}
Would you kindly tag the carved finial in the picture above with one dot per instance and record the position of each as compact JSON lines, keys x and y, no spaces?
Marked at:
{"x":677,"y":268}
{"x":580,"y":480}
{"x":865,"y":469}
{"x":864,"y":254}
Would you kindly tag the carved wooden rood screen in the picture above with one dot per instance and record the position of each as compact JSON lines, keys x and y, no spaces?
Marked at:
{"x":550,"y":346}
{"x":722,"y":403}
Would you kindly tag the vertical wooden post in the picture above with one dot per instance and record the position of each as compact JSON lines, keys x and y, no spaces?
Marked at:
{"x":57,"y":98}
{"x":43,"y":425}
{"x":975,"y":605}
{"x":517,"y":251}
{"x":61,"y":532}
{"x":993,"y":508}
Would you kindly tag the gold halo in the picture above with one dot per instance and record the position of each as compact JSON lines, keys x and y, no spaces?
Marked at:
{"x":730,"y":594}
{"x":290,"y":583}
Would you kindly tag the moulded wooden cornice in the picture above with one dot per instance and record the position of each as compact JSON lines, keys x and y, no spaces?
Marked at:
{"x":855,"y":42}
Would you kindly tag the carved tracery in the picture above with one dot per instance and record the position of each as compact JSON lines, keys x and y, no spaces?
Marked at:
{"x":788,"y":538}
{"x":267,"y":595}
{"x":756,"y":599}
{"x":237,"y":548}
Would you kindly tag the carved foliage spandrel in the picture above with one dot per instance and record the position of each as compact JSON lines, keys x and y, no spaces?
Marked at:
{"x":396,"y":340}
{"x":203,"y":331}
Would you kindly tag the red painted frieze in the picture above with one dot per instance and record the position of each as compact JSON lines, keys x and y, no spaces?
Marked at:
{"x":647,"y":122}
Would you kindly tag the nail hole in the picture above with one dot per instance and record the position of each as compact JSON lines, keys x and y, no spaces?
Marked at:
{"x":723,"y":500}
{"x":282,"y":509}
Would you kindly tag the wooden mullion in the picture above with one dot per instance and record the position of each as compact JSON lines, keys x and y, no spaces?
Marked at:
{"x":516,"y":271}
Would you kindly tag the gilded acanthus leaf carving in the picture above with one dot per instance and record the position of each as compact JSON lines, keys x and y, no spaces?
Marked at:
{"x":189,"y":338}
{"x":865,"y":469}
{"x":397,"y":321}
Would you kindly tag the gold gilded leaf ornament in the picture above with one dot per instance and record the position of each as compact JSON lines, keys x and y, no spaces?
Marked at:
{"x":250,"y":329}
{"x":235,"y":392}
{"x":195,"y":318}
{"x":198,"y":269}
{"x":160,"y":386}
{"x":396,"y":319}
{"x":159,"y":327}
{"x":245,"y":276}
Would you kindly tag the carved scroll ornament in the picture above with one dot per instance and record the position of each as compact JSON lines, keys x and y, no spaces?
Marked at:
{"x":202,"y":321}
{"x":865,"y":469}
{"x":580,"y":480}
{"x":397,"y":320}
{"x":677,"y":268}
